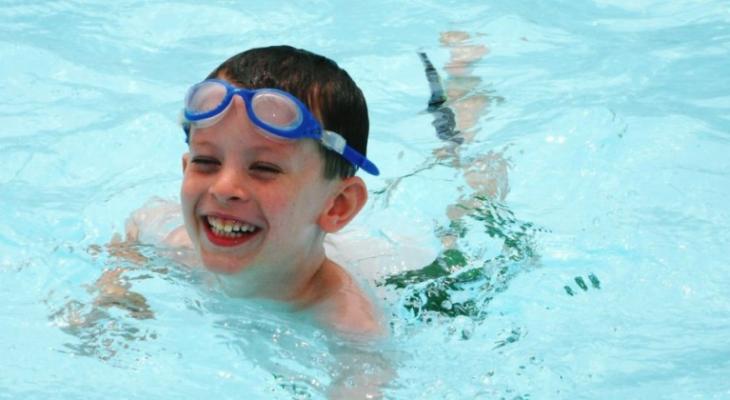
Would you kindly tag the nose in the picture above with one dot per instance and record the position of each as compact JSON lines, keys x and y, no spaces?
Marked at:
{"x":229,"y":186}
{"x":230,"y":183}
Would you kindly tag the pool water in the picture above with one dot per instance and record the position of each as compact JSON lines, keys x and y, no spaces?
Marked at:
{"x":598,"y":270}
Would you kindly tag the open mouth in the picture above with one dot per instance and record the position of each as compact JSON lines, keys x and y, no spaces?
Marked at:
{"x":228,"y":232}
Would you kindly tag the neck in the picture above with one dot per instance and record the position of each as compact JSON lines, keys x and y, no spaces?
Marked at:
{"x":301,"y":284}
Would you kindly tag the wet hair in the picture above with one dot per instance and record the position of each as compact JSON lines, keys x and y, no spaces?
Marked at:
{"x":325,"y":88}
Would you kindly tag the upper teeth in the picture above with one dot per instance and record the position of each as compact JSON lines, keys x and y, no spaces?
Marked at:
{"x":229,"y":225}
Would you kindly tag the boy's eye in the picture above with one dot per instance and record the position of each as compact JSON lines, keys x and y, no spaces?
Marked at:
{"x":204,"y":162}
{"x":265,"y":168}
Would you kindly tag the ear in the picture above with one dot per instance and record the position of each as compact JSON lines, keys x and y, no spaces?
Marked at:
{"x":344,"y":205}
{"x":185,"y":160}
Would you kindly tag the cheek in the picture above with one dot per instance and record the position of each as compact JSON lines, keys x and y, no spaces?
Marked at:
{"x":188,"y":195}
{"x":287,"y":214}
{"x":184,"y":193}
{"x":279,"y":208}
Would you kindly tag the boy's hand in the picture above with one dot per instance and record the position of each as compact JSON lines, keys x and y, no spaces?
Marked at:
{"x":126,"y":250}
{"x":114,"y":292}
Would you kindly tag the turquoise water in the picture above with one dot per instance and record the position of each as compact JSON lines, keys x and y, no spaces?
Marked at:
{"x":601,"y":273}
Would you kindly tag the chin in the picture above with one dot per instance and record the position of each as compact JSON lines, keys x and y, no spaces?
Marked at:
{"x":224,"y":267}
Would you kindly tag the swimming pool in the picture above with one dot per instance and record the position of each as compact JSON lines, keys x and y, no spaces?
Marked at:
{"x":602,"y":273}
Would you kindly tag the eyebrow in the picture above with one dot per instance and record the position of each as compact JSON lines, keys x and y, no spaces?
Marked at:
{"x":200,"y":143}
{"x":285,"y":151}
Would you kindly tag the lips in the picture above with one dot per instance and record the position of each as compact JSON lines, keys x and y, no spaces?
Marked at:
{"x":228,"y":232}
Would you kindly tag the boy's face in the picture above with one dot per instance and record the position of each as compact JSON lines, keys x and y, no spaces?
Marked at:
{"x":250,"y":201}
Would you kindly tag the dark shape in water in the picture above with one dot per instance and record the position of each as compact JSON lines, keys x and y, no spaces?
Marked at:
{"x":594,"y":281}
{"x":444,"y":119}
{"x":454,"y":274}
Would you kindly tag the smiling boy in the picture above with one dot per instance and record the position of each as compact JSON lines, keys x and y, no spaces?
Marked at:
{"x":275,"y":137}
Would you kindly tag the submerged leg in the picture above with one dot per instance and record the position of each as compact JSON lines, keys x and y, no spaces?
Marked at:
{"x":461,"y":84}
{"x":486,"y":174}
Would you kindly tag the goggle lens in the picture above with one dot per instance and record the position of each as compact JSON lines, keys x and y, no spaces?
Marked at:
{"x":205,"y":97}
{"x":276,"y":110}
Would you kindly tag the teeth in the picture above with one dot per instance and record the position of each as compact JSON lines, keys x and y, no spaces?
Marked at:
{"x":228,"y":227}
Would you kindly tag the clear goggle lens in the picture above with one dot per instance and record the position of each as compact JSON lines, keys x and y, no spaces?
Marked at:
{"x":205,"y":98}
{"x":276,"y":110}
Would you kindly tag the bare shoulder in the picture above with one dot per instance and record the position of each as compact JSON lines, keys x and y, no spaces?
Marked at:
{"x":157,"y":222}
{"x":347,"y":307}
{"x":178,"y":238}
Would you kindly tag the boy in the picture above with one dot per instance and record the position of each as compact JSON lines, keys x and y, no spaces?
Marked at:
{"x":275,"y":137}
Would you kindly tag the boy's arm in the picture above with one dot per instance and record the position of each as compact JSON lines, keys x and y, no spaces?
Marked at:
{"x":158,"y":223}
{"x":149,"y":225}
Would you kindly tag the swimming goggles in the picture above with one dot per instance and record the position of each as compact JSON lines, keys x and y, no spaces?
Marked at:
{"x":278,"y":114}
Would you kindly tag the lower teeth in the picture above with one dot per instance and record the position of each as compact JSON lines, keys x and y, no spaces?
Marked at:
{"x":227,"y":234}
{"x":218,"y":232}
